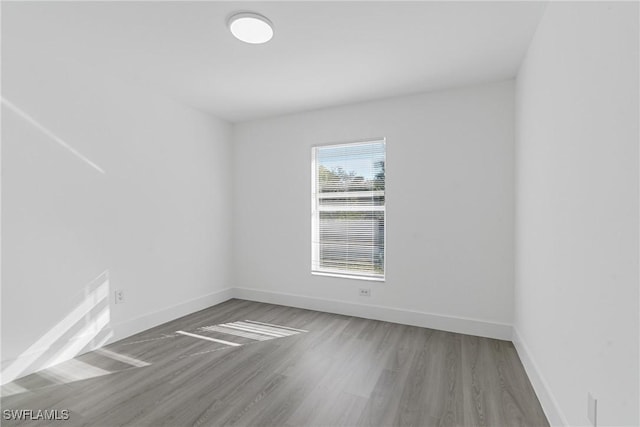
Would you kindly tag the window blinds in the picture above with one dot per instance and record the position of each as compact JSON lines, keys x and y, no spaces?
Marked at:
{"x":348,"y":209}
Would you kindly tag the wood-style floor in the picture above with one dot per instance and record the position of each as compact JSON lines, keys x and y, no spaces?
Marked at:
{"x":228,"y":366}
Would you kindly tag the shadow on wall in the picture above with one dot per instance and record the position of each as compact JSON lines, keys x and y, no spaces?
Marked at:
{"x":85,"y":328}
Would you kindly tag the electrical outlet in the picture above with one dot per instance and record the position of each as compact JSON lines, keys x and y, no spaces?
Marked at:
{"x":592,"y":410}
{"x":365,"y":292}
{"x":119,"y":296}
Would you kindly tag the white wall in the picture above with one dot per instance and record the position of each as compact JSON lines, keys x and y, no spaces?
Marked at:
{"x":450,"y":195}
{"x":576,"y":299}
{"x":155,"y":223}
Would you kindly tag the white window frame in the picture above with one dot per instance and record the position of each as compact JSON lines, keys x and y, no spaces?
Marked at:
{"x":315,"y":210}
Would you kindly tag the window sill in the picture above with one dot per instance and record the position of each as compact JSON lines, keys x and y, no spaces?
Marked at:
{"x":348,"y":276}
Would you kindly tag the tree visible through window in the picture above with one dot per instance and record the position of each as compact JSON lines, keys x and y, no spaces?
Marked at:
{"x":348,"y":209}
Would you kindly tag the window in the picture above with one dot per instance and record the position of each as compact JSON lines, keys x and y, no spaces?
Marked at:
{"x":348,"y":210}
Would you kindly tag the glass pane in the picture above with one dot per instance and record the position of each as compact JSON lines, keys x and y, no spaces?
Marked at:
{"x":351,"y":168}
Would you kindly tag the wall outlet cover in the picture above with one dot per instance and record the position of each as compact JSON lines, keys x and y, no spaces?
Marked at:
{"x":365,"y":292}
{"x":119,"y":296}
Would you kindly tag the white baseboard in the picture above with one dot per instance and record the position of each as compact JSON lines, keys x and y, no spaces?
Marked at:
{"x":540,"y":385}
{"x":41,"y":358}
{"x":461,"y":325}
{"x":142,"y":323}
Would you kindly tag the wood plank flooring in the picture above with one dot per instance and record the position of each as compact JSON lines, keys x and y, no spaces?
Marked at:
{"x":293,"y":367}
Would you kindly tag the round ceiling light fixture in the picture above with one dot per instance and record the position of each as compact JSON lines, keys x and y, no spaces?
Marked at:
{"x":250,"y":27}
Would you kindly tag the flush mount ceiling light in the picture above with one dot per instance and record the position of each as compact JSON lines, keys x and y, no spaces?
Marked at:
{"x":250,"y":27}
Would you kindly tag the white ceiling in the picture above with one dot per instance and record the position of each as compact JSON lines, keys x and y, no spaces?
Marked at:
{"x":323,"y":53}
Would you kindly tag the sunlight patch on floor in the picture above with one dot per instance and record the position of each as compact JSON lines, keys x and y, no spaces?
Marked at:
{"x":247,"y":331}
{"x":54,"y":347}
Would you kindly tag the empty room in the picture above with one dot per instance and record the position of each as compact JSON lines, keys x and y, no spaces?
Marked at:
{"x":320,"y":213}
